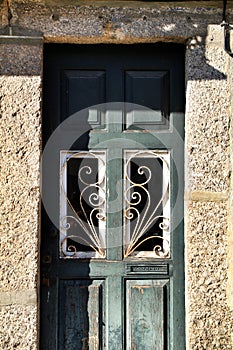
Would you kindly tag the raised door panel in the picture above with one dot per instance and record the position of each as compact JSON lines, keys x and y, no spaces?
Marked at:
{"x":82,"y":89}
{"x":150,"y":90}
{"x":146,"y":314}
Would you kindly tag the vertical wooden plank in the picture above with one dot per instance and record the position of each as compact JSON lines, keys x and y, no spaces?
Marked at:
{"x":95,"y":315}
{"x":146,"y":320}
{"x":177,"y":281}
{"x":114,"y":201}
{"x":114,"y":313}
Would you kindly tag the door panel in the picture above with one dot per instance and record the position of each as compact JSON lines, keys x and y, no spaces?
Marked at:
{"x":82,"y":89}
{"x":112,"y":274}
{"x":146,"y":314}
{"x":81,"y":314}
{"x":150,"y":89}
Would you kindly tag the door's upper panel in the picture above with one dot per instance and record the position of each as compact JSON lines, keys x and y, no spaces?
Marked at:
{"x":117,"y":73}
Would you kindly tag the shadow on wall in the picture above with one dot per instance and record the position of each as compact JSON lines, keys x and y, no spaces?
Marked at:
{"x":199,"y":66}
{"x":16,"y":41}
{"x":21,"y":52}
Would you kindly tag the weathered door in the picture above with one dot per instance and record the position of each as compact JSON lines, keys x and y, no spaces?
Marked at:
{"x":112,"y":234}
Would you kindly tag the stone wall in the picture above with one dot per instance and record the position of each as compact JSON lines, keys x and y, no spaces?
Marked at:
{"x":20,"y":129}
{"x":208,"y":218}
{"x":208,"y":111}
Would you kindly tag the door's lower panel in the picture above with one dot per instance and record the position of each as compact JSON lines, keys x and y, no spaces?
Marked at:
{"x":81,"y":315}
{"x":146,"y":314}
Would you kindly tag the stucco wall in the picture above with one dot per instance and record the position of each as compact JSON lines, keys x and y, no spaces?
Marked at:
{"x":208,"y":113}
{"x":20,"y":120}
{"x":208,"y":221}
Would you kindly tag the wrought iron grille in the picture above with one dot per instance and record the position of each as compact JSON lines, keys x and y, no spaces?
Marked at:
{"x":83,"y":204}
{"x":147,"y":208}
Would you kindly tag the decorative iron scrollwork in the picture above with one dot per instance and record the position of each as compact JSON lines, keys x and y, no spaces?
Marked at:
{"x":84,"y":207}
{"x":147,"y":218}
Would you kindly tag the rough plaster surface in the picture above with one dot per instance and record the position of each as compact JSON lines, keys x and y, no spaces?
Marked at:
{"x":18,"y":327}
{"x":20,"y":127}
{"x":208,"y":116}
{"x":208,"y":101}
{"x":230,"y":216}
{"x":210,"y":318}
{"x":19,"y":173}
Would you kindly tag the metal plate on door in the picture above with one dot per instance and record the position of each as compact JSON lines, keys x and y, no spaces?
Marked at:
{"x":162,"y":269}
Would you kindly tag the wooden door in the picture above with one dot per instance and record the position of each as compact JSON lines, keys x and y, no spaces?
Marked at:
{"x":112,"y":274}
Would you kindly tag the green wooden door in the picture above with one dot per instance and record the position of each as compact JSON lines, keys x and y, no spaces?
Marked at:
{"x":112,"y":274}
